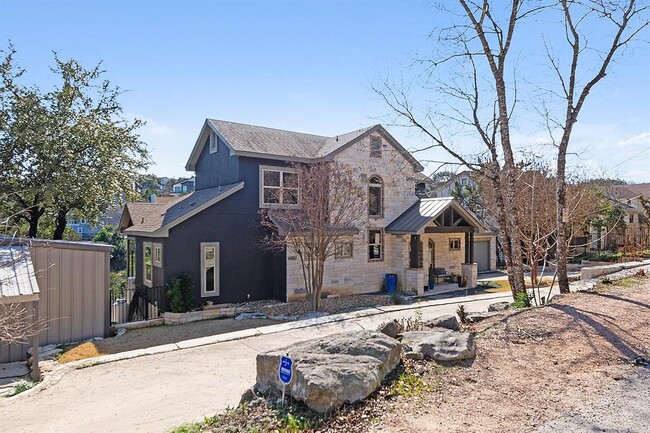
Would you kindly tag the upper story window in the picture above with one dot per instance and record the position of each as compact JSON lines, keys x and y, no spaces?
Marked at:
{"x":375,"y":196}
{"x":375,"y":146}
{"x":213,"y":143}
{"x":278,"y":187}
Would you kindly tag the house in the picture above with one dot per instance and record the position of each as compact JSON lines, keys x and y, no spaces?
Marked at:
{"x":214,"y":234}
{"x":631,"y":199}
{"x":184,"y":186}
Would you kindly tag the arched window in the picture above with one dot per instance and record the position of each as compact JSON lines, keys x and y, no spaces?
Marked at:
{"x":375,"y":196}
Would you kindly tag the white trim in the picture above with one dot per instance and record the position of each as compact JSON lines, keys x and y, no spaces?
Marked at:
{"x":214,"y":143}
{"x":157,"y":246}
{"x":146,"y":282}
{"x":215,"y":292}
{"x":262,"y":205}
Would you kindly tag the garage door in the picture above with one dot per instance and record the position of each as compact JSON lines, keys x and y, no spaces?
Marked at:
{"x":482,"y":255}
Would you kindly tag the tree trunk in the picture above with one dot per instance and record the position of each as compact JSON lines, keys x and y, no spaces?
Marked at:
{"x":560,"y":196}
{"x":61,"y":222}
{"x":35,"y":215}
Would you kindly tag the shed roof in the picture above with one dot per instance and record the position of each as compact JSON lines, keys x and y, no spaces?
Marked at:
{"x":423,"y":212}
{"x":17,"y":278}
{"x":143,"y":218}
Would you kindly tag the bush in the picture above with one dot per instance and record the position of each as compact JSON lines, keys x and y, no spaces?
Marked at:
{"x":179,"y":293}
{"x":522,"y":300}
{"x":21,"y":385}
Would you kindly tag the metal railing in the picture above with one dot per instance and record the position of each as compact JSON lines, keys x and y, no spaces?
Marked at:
{"x":136,"y":304}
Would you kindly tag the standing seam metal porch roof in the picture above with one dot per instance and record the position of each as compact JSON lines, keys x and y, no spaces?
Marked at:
{"x":423,"y":212}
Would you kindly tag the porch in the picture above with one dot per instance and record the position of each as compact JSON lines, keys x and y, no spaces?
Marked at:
{"x":438,"y":236}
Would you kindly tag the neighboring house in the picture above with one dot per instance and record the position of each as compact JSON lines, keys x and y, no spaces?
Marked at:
{"x":214,"y":234}
{"x":486,"y":248}
{"x":184,"y":186}
{"x":637,"y":228}
{"x":87,"y":229}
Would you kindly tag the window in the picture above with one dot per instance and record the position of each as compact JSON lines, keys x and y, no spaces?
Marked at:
{"x":375,"y":146}
{"x":213,"y":143}
{"x":131,"y":260}
{"x":375,"y":197}
{"x":416,"y":257}
{"x":342,"y":250}
{"x":463,"y":181}
{"x":157,"y":255}
{"x":209,"y":269}
{"x":147,"y":277}
{"x":278,"y":187}
{"x":375,"y":240}
{"x":454,"y":244}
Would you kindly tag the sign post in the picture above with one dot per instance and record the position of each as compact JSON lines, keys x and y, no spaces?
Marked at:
{"x":285,"y":372}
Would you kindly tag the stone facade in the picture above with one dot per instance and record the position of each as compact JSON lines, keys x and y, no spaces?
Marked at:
{"x":358,"y":274}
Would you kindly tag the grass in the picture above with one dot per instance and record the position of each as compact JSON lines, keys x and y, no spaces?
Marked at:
{"x":409,"y":385}
{"x":21,"y":385}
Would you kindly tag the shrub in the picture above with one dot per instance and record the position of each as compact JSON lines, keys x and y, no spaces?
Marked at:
{"x":21,"y":385}
{"x":179,"y":293}
{"x":522,"y":300}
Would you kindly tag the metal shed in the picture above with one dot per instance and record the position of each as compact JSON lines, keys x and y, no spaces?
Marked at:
{"x":72,"y":291}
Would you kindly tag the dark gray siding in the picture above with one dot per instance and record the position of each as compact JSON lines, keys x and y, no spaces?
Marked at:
{"x":216,"y":169}
{"x":245,"y":268}
{"x":158,"y":273}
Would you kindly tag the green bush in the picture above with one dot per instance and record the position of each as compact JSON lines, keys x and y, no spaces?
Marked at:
{"x":522,"y":300}
{"x":179,"y":293}
{"x":21,"y":385}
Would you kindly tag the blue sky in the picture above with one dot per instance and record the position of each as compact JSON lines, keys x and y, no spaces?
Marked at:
{"x":298,"y":65}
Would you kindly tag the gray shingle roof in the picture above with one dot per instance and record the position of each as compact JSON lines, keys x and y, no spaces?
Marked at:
{"x":17,"y":278}
{"x":149,"y":217}
{"x":424,"y":212}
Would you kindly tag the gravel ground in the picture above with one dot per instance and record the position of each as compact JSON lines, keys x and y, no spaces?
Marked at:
{"x":624,"y":410}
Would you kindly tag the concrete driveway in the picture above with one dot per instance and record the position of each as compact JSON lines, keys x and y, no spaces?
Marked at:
{"x":154,"y":393}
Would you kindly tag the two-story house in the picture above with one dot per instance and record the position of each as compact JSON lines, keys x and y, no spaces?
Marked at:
{"x":214,"y":234}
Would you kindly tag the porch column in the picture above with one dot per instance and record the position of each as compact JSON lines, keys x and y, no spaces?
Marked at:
{"x":467,"y":243}
{"x":471,"y":247}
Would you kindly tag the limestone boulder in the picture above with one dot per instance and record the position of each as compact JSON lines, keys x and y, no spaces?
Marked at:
{"x":392,"y":328}
{"x":499,"y":306}
{"x":440,"y":344}
{"x":476,"y":317}
{"x":331,"y":371}
{"x":448,"y":322}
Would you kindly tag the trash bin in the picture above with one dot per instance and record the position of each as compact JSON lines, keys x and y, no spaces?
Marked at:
{"x":391,"y":283}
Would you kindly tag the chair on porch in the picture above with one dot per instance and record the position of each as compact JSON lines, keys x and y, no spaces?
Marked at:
{"x":440,"y":273}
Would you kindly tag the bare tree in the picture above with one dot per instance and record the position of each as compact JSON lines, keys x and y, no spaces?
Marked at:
{"x":626,"y":19}
{"x":478,"y":89}
{"x":330,"y":204}
{"x":18,"y":324}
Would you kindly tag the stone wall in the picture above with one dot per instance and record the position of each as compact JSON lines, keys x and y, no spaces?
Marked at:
{"x":358,"y":274}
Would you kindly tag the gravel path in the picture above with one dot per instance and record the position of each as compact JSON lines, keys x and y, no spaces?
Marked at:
{"x":624,"y":410}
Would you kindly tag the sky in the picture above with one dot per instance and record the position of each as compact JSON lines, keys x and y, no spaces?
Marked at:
{"x":306,"y":66}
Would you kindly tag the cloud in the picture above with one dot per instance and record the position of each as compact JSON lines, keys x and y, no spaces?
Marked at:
{"x":638,"y":139}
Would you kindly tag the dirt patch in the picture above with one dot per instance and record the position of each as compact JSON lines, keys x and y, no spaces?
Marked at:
{"x":157,"y":336}
{"x":537,"y":364}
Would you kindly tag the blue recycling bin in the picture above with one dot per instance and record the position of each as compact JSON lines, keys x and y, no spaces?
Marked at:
{"x":391,"y":283}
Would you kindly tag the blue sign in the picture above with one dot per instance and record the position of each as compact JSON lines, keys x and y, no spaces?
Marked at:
{"x":285,"y":371}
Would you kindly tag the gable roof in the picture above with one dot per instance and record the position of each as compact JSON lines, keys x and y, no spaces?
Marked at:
{"x":17,"y":278}
{"x":631,"y":191}
{"x":155,"y":219}
{"x":426,"y":210}
{"x":270,"y":143}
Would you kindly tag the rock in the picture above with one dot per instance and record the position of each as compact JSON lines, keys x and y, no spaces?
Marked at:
{"x":448,"y":322}
{"x":246,"y":316}
{"x":13,"y":369}
{"x":499,"y":306}
{"x":420,"y":370}
{"x":392,"y":329}
{"x":441,"y":344}
{"x":479,"y":317}
{"x":247,"y":397}
{"x":413,"y":355}
{"x":330,"y":371}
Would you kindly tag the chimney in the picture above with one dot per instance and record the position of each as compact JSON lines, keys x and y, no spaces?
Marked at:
{"x":152,"y":198}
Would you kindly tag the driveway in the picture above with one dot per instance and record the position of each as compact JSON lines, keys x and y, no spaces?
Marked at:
{"x":157,"y":392}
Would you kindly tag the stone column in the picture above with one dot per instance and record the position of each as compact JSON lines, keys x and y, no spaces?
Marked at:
{"x":470,"y":272}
